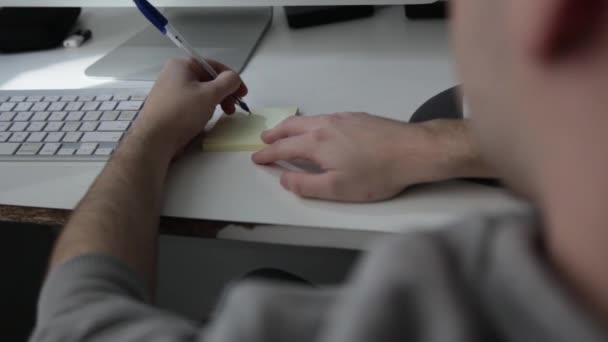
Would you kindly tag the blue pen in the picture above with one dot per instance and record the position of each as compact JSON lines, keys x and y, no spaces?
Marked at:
{"x":162,"y":24}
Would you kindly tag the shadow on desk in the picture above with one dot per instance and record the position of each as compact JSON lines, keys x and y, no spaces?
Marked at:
{"x":25,"y":249}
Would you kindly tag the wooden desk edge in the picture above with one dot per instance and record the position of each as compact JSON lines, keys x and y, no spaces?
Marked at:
{"x":59,"y":217}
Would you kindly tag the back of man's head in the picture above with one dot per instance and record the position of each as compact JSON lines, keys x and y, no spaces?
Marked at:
{"x":536,"y":78}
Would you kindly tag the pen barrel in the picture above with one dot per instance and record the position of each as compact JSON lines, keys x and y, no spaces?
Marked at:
{"x":181,"y":42}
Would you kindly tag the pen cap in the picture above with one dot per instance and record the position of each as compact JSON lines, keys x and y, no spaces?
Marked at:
{"x":150,"y":12}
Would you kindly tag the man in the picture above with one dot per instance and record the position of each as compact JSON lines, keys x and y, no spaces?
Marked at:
{"x":535,"y":73}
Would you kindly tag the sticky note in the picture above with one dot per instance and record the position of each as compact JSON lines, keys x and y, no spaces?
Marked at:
{"x":242,"y":132}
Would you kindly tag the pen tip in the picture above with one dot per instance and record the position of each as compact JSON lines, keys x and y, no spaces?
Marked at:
{"x":245,"y":107}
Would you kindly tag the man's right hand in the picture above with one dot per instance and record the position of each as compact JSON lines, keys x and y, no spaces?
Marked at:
{"x":368,"y":158}
{"x":183,"y":100}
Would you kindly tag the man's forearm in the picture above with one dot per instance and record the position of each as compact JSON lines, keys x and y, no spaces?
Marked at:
{"x":457,"y":152}
{"x":119,"y":215}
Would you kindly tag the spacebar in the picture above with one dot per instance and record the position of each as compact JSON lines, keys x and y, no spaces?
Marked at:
{"x":8,"y":149}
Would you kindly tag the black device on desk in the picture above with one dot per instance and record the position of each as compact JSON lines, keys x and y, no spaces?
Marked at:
{"x":307,"y":16}
{"x":29,"y":29}
{"x":436,"y":10}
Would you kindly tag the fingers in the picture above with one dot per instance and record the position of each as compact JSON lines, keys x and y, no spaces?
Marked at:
{"x":228,"y":102}
{"x":220,"y":67}
{"x":203,"y":76}
{"x":225,"y":85}
{"x":295,"y":125}
{"x":229,"y":107}
{"x":300,"y":147}
{"x":310,"y":185}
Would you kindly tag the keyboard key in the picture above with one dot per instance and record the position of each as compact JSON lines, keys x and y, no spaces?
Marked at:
{"x":138,"y":98}
{"x":108,"y":105}
{"x":128,"y":115}
{"x":89,"y":106}
{"x":54,"y":137}
{"x":6,"y":106}
{"x":101,"y":137}
{"x":66,"y":151}
{"x":36,"y":137}
{"x":5,"y":99}
{"x":92,"y":116}
{"x":57,"y":106}
{"x":86,"y":98}
{"x":114,"y":126}
{"x":7,"y":116}
{"x":29,"y":149}
{"x":23,"y":106}
{"x":89,"y":126}
{"x":53,"y":126}
{"x":51,"y":98}
{"x":74,"y":106}
{"x":24,"y":116}
{"x":102,"y":98}
{"x":130,"y":105}
{"x":49,"y":149}
{"x":17,"y":98}
{"x":74,"y":116}
{"x":110,"y":116}
{"x":18,"y":137}
{"x":40,"y":106}
{"x":34,"y":98}
{"x":58,"y":116}
{"x":36,"y":126}
{"x":104,"y":151}
{"x":8,"y":149}
{"x":69,"y":98}
{"x":4,"y":126}
{"x":71,"y":126}
{"x":86,"y":149}
{"x":4,"y":136}
{"x":121,"y":98}
{"x":72,"y":137}
{"x":41,"y":116}
{"x":19,"y":126}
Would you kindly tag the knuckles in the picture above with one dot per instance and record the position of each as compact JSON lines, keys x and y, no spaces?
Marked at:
{"x":319,"y":135}
{"x":348,"y":115}
{"x":287,"y":122}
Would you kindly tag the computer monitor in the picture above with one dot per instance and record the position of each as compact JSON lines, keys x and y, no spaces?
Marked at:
{"x":240,"y":24}
{"x":203,"y":3}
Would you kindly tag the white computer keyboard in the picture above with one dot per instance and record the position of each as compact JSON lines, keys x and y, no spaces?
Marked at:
{"x":64,"y":125}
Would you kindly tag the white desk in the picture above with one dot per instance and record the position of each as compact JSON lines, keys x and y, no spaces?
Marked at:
{"x":384,"y":65}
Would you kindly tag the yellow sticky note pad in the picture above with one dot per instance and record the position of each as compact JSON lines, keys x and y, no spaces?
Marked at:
{"x":241,"y":132}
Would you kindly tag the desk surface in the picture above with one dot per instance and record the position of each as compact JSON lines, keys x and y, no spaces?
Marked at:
{"x":384,"y":65}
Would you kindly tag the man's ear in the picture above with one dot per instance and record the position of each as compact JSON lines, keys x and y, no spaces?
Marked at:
{"x":568,"y":26}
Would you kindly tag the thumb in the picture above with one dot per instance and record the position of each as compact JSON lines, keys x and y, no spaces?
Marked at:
{"x":224,"y":85}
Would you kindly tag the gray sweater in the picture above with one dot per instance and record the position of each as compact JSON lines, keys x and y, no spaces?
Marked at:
{"x":483,"y":280}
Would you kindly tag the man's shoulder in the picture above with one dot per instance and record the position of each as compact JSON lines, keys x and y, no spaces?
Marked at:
{"x":468,"y":240}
